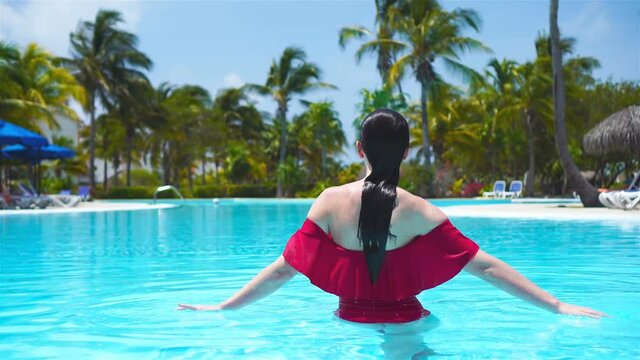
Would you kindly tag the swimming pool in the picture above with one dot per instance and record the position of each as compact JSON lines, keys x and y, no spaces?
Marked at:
{"x":104,"y":285}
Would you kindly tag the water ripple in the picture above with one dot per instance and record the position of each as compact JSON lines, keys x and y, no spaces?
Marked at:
{"x":105,"y":286}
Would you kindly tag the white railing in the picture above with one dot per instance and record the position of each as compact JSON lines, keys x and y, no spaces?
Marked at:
{"x":165,"y":188}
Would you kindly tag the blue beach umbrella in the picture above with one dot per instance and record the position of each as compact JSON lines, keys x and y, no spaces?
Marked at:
{"x":36,"y":154}
{"x":14,"y":134}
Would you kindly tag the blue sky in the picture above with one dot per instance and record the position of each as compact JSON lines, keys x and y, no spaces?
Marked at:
{"x":219,"y":44}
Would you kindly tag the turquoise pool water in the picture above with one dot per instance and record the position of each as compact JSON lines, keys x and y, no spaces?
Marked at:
{"x":105,"y":285}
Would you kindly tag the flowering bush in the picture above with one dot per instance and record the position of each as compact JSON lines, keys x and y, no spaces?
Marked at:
{"x":472,"y":189}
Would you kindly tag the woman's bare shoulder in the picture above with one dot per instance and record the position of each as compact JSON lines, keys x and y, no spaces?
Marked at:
{"x":330,"y":199}
{"x":419,"y":214}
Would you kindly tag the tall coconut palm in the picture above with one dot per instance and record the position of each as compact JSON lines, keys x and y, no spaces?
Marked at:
{"x":532,"y":105}
{"x":73,"y":166}
{"x":242,"y":119}
{"x":132,"y":102}
{"x":101,"y":54}
{"x":430,"y":33}
{"x":188,"y":110}
{"x":34,"y":89}
{"x":588,"y":194}
{"x":503,"y":82}
{"x":110,"y":136}
{"x":290,"y":76}
{"x":376,"y":99}
{"x":374,"y":42}
{"x":327,"y":128}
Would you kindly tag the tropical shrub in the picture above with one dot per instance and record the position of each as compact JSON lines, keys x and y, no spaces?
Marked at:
{"x":133,"y":192}
{"x":143,"y":177}
{"x":230,"y":190}
{"x":472,"y":189}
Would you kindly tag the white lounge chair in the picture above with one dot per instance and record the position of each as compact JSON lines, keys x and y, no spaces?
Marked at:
{"x":626,"y":199}
{"x":65,"y":201}
{"x":515,"y":189}
{"x":606,"y":199}
{"x":498,"y":190}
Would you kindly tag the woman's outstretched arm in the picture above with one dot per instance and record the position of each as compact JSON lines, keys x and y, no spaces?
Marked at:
{"x":267,"y":281}
{"x":501,"y":275}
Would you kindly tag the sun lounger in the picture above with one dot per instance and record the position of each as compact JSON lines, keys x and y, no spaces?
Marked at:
{"x":42,"y":201}
{"x":28,"y":192}
{"x":65,"y":201}
{"x":515,"y":189}
{"x":498,"y":190}
{"x":626,"y":199}
{"x":3,"y":204}
{"x":84,"y":191}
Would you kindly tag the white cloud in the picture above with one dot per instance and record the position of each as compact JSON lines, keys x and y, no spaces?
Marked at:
{"x":49,"y":23}
{"x":233,"y":80}
{"x":592,"y":24}
{"x":180,"y":74}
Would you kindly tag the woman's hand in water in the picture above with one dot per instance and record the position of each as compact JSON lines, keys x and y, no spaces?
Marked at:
{"x":199,"y":307}
{"x":568,"y":309}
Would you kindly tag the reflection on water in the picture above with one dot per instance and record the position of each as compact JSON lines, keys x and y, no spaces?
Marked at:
{"x":105,"y":285}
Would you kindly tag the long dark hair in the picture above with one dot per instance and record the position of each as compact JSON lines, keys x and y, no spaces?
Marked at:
{"x":385,"y":137}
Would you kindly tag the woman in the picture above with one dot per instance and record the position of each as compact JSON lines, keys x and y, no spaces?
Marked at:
{"x":377,"y":246}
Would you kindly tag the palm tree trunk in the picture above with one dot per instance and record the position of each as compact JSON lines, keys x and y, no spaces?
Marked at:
{"x":425,"y":125}
{"x":282,"y":117}
{"x":116,"y":166}
{"x":105,"y":167}
{"x":92,"y":140}
{"x":324,"y":159}
{"x":204,"y":162}
{"x":129,"y":141}
{"x":588,"y":194}
{"x":166,"y":169}
{"x":105,"y":175}
{"x":190,"y":174}
{"x":532,"y":155}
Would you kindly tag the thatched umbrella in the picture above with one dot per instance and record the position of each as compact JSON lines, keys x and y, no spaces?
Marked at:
{"x":619,"y":134}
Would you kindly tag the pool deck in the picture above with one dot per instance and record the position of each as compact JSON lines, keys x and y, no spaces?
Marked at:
{"x":510,"y":210}
{"x":543,"y":212}
{"x":92,"y":206}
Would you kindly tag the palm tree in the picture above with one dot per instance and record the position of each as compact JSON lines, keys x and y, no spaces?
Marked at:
{"x":239,"y":114}
{"x":588,"y":194}
{"x":291,"y":75}
{"x":74,"y":166}
{"x":428,"y":34}
{"x":386,"y":52}
{"x":132,"y":101}
{"x":110,"y":135}
{"x":189,"y":115}
{"x":180,"y":130}
{"x":325,"y":124}
{"x":101,"y":56}
{"x":34,"y":88}
{"x":532,"y":104}
{"x":502,"y":84}
{"x":376,"y":99}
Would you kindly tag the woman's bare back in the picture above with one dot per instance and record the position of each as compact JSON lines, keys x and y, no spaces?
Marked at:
{"x":337,"y":211}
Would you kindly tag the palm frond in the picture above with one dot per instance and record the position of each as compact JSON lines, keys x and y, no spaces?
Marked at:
{"x":349,"y":33}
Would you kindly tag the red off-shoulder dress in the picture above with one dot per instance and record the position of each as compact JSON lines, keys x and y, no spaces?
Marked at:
{"x":426,"y":262}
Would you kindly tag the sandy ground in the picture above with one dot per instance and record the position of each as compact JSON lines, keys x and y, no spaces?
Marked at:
{"x":544,"y":211}
{"x":92,"y":206}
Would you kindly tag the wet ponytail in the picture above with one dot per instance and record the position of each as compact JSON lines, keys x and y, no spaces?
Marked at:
{"x":385,"y":137}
